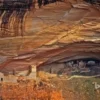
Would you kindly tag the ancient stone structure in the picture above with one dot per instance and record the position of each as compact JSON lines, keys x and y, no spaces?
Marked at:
{"x":27,"y":74}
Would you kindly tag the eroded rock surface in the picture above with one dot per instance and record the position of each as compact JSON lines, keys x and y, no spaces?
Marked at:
{"x":54,"y":33}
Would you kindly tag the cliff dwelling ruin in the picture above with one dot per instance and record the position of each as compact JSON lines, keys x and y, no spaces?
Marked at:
{"x":74,"y":61}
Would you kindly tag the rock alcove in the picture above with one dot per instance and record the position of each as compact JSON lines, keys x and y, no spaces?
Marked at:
{"x":79,"y":61}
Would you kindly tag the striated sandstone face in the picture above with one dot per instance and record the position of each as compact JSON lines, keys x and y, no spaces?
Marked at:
{"x":54,"y":34}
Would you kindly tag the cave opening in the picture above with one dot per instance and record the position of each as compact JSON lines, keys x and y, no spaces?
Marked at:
{"x":89,"y":61}
{"x":83,"y":66}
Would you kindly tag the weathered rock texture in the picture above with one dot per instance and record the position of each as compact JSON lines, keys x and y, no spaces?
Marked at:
{"x":54,"y":32}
